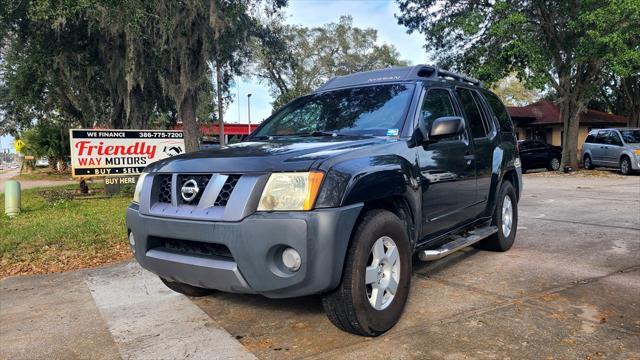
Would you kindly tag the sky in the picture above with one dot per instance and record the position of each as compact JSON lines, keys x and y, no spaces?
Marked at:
{"x":377,"y":14}
{"x":6,"y":142}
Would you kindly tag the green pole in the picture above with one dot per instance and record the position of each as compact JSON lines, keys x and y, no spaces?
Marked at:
{"x":12,"y":198}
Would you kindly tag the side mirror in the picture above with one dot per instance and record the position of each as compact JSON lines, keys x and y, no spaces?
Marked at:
{"x":446,"y":126}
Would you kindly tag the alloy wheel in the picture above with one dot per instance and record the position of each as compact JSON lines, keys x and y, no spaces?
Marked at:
{"x":507,"y":216}
{"x":382,"y":274}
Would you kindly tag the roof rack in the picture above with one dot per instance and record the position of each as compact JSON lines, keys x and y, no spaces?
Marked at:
{"x":394,"y":74}
{"x":434,"y":73}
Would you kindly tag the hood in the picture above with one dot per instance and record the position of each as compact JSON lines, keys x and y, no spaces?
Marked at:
{"x":280,"y":154}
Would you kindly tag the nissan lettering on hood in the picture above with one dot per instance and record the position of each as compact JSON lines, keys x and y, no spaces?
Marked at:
{"x":121,"y":152}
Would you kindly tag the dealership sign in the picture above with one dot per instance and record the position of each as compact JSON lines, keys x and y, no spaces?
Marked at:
{"x":121,"y":152}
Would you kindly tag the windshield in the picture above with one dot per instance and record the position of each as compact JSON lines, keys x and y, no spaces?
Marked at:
{"x":365,"y":111}
{"x":630,"y":136}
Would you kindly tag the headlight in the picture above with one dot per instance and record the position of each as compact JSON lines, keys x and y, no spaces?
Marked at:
{"x":290,"y":191}
{"x":136,"y":192}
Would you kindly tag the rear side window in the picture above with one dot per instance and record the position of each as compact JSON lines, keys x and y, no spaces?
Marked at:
{"x":591,"y":139}
{"x":499,"y":111}
{"x":472,"y":112}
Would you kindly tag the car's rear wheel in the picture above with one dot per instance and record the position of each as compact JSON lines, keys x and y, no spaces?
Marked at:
{"x":588,"y":164}
{"x":505,"y":218}
{"x":187,"y":289}
{"x":375,"y":278}
{"x":554,"y":164}
{"x":625,"y":165}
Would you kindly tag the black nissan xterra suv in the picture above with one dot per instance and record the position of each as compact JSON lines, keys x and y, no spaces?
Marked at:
{"x":334,"y":194}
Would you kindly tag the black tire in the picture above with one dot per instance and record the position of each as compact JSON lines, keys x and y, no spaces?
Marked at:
{"x":554,"y":164}
{"x":588,"y":164}
{"x":348,"y":306}
{"x":625,"y":165}
{"x":187,"y":289}
{"x":498,"y":241}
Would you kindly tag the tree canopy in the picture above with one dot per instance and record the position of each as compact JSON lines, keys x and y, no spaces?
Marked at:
{"x":121,"y":64}
{"x":566,"y":44}
{"x":294,"y":60}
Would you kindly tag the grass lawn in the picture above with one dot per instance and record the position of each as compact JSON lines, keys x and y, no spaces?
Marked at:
{"x":62,"y":236}
{"x":43,"y":174}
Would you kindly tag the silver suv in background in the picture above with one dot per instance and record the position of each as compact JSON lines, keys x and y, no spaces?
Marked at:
{"x":612,"y":148}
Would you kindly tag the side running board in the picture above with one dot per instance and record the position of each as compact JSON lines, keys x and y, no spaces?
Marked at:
{"x":457,"y":243}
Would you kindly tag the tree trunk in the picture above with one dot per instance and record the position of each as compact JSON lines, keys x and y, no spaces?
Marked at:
{"x":631,"y":92}
{"x":634,"y":119}
{"x":189,"y":123}
{"x":570,"y":117}
{"x":117,"y":114}
{"x":220,"y":105}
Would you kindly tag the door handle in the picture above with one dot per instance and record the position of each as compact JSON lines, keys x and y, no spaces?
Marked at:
{"x":469,"y":158}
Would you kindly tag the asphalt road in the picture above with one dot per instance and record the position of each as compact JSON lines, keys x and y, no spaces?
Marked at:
{"x":30,"y":184}
{"x":568,"y":289}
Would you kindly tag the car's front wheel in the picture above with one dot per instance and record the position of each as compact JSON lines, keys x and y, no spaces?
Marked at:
{"x":625,"y":165}
{"x":186,"y":289}
{"x":375,"y":279}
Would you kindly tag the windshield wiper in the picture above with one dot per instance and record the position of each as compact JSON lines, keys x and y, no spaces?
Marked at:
{"x":302,"y":134}
{"x":319,"y":133}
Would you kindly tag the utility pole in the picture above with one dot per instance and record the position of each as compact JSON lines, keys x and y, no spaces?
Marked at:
{"x":249,"y":111}
{"x":220,"y":107}
{"x":238,"y":98}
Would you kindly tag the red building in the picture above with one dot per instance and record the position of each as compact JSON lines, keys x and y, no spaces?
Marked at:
{"x":231,"y":131}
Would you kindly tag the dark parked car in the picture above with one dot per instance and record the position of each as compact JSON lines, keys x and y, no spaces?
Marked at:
{"x":334,"y":193}
{"x":536,"y":154}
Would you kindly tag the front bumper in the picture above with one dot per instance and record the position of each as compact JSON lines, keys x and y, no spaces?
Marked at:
{"x":635,"y":165}
{"x":320,"y":236}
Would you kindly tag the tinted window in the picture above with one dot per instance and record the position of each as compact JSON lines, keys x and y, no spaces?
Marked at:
{"x":600,"y":137}
{"x":499,"y":111}
{"x":472,"y":112}
{"x":591,"y":138}
{"x":487,"y":119}
{"x":437,"y":103}
{"x":525,"y":145}
{"x":371,"y":110}
{"x":613,"y":138}
{"x":631,"y":136}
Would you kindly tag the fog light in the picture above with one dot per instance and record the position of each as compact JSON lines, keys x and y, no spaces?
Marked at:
{"x":132,"y":242}
{"x":291,"y":259}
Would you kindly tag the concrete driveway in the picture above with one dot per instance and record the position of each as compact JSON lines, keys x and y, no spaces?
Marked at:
{"x":568,"y":289}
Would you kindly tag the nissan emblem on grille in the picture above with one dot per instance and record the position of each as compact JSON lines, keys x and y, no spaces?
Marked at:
{"x":189,"y":190}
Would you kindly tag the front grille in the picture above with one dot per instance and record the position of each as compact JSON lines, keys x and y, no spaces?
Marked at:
{"x":164,"y":195}
{"x":191,"y":247}
{"x":202,"y":181}
{"x":226,"y":191}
